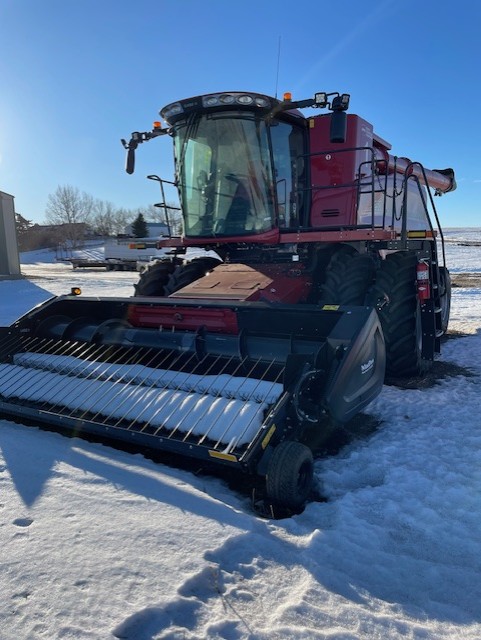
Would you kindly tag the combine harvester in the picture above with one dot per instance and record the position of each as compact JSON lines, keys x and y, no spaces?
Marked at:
{"x":329,"y":274}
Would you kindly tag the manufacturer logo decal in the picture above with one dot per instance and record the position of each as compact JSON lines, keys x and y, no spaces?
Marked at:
{"x":367,"y":367}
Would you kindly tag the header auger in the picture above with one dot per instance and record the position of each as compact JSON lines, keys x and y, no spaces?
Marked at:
{"x":319,"y":269}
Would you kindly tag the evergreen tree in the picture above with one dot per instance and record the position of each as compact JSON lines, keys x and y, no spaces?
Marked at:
{"x":23,"y":227}
{"x":139,"y":227}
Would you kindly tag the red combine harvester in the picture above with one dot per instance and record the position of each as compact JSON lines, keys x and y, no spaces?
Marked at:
{"x":323,"y":271}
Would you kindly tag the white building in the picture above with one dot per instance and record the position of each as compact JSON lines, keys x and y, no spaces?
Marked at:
{"x":9,"y":258}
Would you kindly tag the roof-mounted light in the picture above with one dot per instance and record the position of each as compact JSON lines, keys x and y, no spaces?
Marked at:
{"x":226,"y":98}
{"x":320,"y":99}
{"x":210,"y":101}
{"x":340,"y":102}
{"x":262,"y":102}
{"x":171,"y":110}
{"x":245,"y":99}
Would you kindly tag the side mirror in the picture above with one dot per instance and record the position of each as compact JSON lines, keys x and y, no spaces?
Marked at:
{"x":338,"y":126}
{"x":131,"y":147}
{"x":130,"y":161}
{"x":135,"y":140}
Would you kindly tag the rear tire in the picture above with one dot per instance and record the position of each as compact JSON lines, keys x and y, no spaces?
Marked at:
{"x":188,"y":273}
{"x":348,"y":277}
{"x":401,"y":316}
{"x":445,"y":297}
{"x":153,"y":280}
{"x":289,"y":475}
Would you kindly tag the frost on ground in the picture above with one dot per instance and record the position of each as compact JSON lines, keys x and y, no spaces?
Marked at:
{"x":98,"y":543}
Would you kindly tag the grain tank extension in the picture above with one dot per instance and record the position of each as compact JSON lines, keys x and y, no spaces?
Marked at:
{"x":318,"y":269}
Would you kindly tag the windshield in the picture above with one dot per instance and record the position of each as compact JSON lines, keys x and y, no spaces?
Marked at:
{"x":224,"y":174}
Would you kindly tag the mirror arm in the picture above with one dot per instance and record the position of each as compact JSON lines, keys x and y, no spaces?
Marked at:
{"x":137,"y":138}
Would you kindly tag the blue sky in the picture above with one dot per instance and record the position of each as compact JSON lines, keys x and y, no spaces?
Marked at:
{"x":76,"y":76}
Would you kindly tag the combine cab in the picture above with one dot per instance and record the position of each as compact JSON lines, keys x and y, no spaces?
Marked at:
{"x":317,"y":271}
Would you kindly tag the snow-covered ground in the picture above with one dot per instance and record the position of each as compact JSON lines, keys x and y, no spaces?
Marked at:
{"x":97,"y":543}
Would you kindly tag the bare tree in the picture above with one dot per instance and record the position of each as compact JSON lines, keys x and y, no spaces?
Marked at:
{"x":151,"y":213}
{"x":175,"y":218}
{"x":123,"y":217}
{"x":170,"y":215}
{"x":106,"y":220}
{"x":102,"y":218}
{"x":71,"y":209}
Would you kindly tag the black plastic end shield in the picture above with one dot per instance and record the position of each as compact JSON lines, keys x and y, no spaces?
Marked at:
{"x":359,"y":375}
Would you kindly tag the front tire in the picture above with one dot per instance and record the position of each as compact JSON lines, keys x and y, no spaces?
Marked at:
{"x":289,"y":475}
{"x":348,"y":278}
{"x":153,"y":280}
{"x":188,"y":273}
{"x":401,"y":316}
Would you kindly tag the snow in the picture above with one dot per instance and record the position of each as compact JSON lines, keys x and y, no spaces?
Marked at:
{"x":225,"y":409}
{"x":216,"y":385}
{"x":98,"y":543}
{"x":202,"y":412}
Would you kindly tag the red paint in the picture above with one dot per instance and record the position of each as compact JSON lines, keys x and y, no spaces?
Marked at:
{"x":286,"y":283}
{"x":274,"y":283}
{"x":184,"y":318}
{"x":267,"y":237}
{"x":422,"y":281}
{"x":334,"y":170}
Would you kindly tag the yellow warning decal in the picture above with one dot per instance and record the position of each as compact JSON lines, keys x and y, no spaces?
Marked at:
{"x":422,"y":234}
{"x":417,"y":234}
{"x":330,"y":307}
{"x":268,"y":436}
{"x":222,"y":456}
{"x":311,"y":123}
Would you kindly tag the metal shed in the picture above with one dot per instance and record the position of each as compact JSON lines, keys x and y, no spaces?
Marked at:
{"x":9,"y":258}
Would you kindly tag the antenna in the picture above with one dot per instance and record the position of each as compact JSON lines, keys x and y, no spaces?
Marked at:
{"x":278,"y":64}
